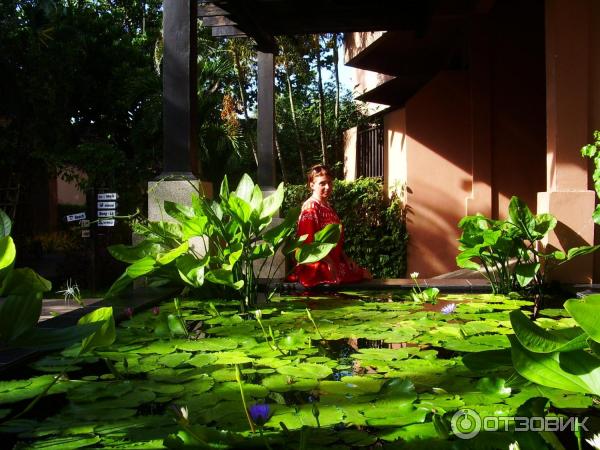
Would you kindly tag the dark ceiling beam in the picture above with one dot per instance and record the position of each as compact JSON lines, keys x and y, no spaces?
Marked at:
{"x":209,"y":10}
{"x":246,"y":14}
{"x":218,"y":21}
{"x":227,"y":31}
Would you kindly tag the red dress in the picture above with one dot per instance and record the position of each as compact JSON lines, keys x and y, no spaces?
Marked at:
{"x":336,"y":267}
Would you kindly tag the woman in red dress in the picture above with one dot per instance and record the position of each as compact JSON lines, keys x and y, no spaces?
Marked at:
{"x":316,"y":213}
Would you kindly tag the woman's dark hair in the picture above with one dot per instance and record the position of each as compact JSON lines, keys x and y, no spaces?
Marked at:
{"x":316,"y":171}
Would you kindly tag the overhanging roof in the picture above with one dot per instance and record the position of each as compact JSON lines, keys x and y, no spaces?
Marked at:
{"x":262,"y":20}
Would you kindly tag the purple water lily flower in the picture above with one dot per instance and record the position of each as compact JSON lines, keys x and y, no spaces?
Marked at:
{"x":156,"y":310}
{"x":260,"y":413}
{"x":129,"y":312}
{"x":449,"y":308}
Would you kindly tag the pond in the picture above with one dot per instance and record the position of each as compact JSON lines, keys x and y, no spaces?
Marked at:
{"x":350,"y":370}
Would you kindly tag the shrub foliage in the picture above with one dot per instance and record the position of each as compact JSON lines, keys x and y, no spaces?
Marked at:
{"x":374,"y":226}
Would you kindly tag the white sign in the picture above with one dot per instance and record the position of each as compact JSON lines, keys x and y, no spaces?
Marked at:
{"x":106,"y":222}
{"x":107,"y":213}
{"x":75,"y":217}
{"x":85,"y":233}
{"x":107,"y":205}
{"x":108,"y":196}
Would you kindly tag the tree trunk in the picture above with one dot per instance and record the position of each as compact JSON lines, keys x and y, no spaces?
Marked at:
{"x":294,"y":120}
{"x":279,"y":156}
{"x":336,"y":72}
{"x":321,"y":102}
{"x":242,"y":87}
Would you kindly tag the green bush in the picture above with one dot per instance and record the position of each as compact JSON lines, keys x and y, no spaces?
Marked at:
{"x":374,"y":226}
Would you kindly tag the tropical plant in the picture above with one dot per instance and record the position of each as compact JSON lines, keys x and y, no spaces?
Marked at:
{"x":22,"y":291}
{"x":510,"y":251}
{"x":235,"y":233}
{"x":567,"y":358}
{"x":592,"y":151}
{"x":423,"y":295}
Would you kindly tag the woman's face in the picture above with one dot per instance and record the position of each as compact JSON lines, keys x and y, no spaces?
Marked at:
{"x":321,"y":186}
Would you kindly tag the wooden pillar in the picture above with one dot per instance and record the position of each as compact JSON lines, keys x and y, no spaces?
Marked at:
{"x":567,"y":118}
{"x":179,"y":89}
{"x":266,"y":120}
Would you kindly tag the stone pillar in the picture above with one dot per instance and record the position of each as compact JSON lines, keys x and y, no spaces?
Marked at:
{"x":567,"y":116}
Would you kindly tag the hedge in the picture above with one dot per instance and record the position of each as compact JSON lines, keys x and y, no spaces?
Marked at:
{"x":374,"y":226}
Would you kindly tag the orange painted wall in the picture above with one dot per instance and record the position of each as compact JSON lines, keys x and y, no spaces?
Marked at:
{"x":518,"y":103}
{"x":439,"y":174}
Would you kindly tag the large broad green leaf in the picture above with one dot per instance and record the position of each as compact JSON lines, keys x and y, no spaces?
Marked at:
{"x":131,"y":254}
{"x":278,"y":233}
{"x":526,"y":272}
{"x":224,"y":191}
{"x":178,"y":212}
{"x":166,"y":231}
{"x":239,"y":208}
{"x":256,"y":200}
{"x":576,"y":371}
{"x":8,"y":253}
{"x":521,"y":216}
{"x":5,"y":224}
{"x":464,"y":259}
{"x":120,"y":284}
{"x":586,"y":312}
{"x":223,"y":276}
{"x":305,"y":370}
{"x":103,"y":336}
{"x":324,"y":241}
{"x":272,"y":203}
{"x":18,"y":315}
{"x":539,"y":340}
{"x":583,"y":250}
{"x":544,"y":223}
{"x":191,"y":269}
{"x":171,"y":255}
{"x":24,"y":282}
{"x":245,"y":188}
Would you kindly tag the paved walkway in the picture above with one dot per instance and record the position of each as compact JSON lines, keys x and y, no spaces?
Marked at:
{"x":56,"y":307}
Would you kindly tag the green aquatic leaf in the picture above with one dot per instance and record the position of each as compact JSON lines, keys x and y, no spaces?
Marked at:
{"x":202,"y":360}
{"x":174,"y":359}
{"x":575,"y":371}
{"x":105,"y":335}
{"x":586,"y":312}
{"x":285,"y":383}
{"x":539,"y":340}
{"x":65,"y":443}
{"x":305,"y":370}
{"x":208,"y":345}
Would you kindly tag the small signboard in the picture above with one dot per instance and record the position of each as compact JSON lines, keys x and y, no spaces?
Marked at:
{"x":107,"y":213}
{"x":85,"y":233}
{"x":75,"y":217}
{"x":84,"y":223}
{"x":106,"y":222}
{"x":108,"y":196}
{"x":107,"y":205}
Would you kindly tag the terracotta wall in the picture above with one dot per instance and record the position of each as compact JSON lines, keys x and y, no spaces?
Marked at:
{"x":439,"y":178}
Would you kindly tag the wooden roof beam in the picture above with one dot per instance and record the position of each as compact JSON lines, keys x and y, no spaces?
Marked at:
{"x":218,"y":21}
{"x":227,"y":31}
{"x":210,"y":9}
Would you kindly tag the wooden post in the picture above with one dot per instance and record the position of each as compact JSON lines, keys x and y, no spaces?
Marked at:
{"x":266,"y":120}
{"x":179,"y":89}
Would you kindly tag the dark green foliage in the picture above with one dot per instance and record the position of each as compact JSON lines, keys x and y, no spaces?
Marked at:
{"x":374,"y":226}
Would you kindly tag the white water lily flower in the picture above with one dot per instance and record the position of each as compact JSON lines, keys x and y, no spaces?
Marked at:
{"x":414,"y":275}
{"x":594,"y":441}
{"x":514,"y":446}
{"x":71,"y":292}
{"x":449,"y":308}
{"x":258,"y":314}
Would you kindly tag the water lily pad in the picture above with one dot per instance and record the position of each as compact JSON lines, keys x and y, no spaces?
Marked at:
{"x":305,"y":370}
{"x":285,"y":383}
{"x":174,"y":359}
{"x":231,"y":391}
{"x":417,"y":431}
{"x":297,"y":417}
{"x":391,"y":414}
{"x":65,"y":443}
{"x":232,"y":357}
{"x":202,"y":359}
{"x":225,"y":374}
{"x":208,"y":345}
{"x":199,"y":384}
{"x":158,"y":347}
